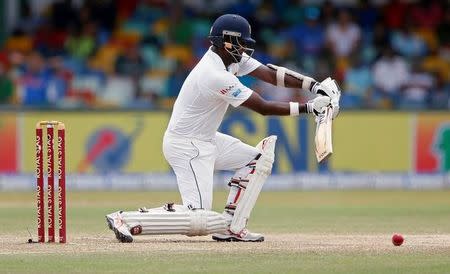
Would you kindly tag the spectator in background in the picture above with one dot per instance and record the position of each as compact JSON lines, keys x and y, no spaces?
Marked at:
{"x":427,"y":14}
{"x":436,"y":63}
{"x":357,"y":83}
{"x":176,"y":80}
{"x":83,"y":17}
{"x":19,"y":41}
{"x":200,"y":44}
{"x":37,"y":86}
{"x":389,"y":74}
{"x":117,"y":92}
{"x":266,"y":23}
{"x":327,"y":13}
{"x":49,"y":41}
{"x":407,"y":43}
{"x":81,"y":43}
{"x":27,"y":20}
{"x":15,"y":64}
{"x":104,"y":12}
{"x":33,"y":83}
{"x":440,"y":96}
{"x":394,"y":13}
{"x":443,"y":30}
{"x":293,"y":13}
{"x":417,"y":88}
{"x":125,"y":8}
{"x":244,"y":8}
{"x":380,"y":38}
{"x":5,"y":59}
{"x":151,"y":39}
{"x":180,"y":29}
{"x":59,"y":71}
{"x":6,"y":86}
{"x":344,"y":36}
{"x":62,"y":14}
{"x":367,"y":16}
{"x":131,"y":64}
{"x":308,"y":39}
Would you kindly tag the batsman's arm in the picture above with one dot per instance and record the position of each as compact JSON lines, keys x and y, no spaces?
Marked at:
{"x":269,"y":75}
{"x":258,"y":104}
{"x":284,"y":77}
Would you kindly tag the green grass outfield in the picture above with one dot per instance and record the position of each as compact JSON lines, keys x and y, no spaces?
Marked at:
{"x":306,"y":232}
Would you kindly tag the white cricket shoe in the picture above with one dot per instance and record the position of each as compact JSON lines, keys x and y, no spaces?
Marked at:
{"x":115,"y":223}
{"x":244,"y":236}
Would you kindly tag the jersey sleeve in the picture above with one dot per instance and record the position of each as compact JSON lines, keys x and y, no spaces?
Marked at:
{"x":228,"y":88}
{"x":247,"y":65}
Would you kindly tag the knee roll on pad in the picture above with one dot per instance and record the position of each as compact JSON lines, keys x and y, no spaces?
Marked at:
{"x":204,"y":222}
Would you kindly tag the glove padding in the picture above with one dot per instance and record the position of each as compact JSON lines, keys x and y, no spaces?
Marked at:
{"x":318,"y":104}
{"x":332,"y":90}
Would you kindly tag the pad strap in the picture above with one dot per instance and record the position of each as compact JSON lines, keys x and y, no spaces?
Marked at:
{"x":240,"y":183}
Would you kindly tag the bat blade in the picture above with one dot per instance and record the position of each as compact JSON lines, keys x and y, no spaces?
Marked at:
{"x":323,"y":138}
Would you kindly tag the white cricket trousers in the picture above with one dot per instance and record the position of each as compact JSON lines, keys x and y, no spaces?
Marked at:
{"x":194,"y":162}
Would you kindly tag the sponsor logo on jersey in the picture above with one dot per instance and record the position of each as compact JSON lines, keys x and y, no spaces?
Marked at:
{"x":236,"y":93}
{"x":226,"y":90}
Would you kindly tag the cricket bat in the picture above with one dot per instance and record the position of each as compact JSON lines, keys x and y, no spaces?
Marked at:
{"x":323,"y":140}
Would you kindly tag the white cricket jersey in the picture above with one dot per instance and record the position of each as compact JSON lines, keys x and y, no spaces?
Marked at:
{"x":206,"y":94}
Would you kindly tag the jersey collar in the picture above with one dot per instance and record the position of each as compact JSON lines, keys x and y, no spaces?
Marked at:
{"x":216,"y":58}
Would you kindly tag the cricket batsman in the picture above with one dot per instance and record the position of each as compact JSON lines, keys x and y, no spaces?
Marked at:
{"x":194,"y":149}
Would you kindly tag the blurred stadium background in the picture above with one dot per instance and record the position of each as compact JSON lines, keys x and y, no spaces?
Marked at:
{"x":111,"y":70}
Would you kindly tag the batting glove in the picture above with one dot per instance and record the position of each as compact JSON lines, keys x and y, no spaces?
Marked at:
{"x":330,"y":87}
{"x":318,"y":104}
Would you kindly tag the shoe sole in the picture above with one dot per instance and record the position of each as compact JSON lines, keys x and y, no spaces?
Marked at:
{"x":119,"y":236}
{"x":236,"y":239}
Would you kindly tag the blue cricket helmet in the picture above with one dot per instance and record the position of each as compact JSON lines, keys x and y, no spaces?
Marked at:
{"x":234,"y":32}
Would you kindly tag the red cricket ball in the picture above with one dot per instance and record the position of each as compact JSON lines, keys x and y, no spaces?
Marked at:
{"x":397,"y":239}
